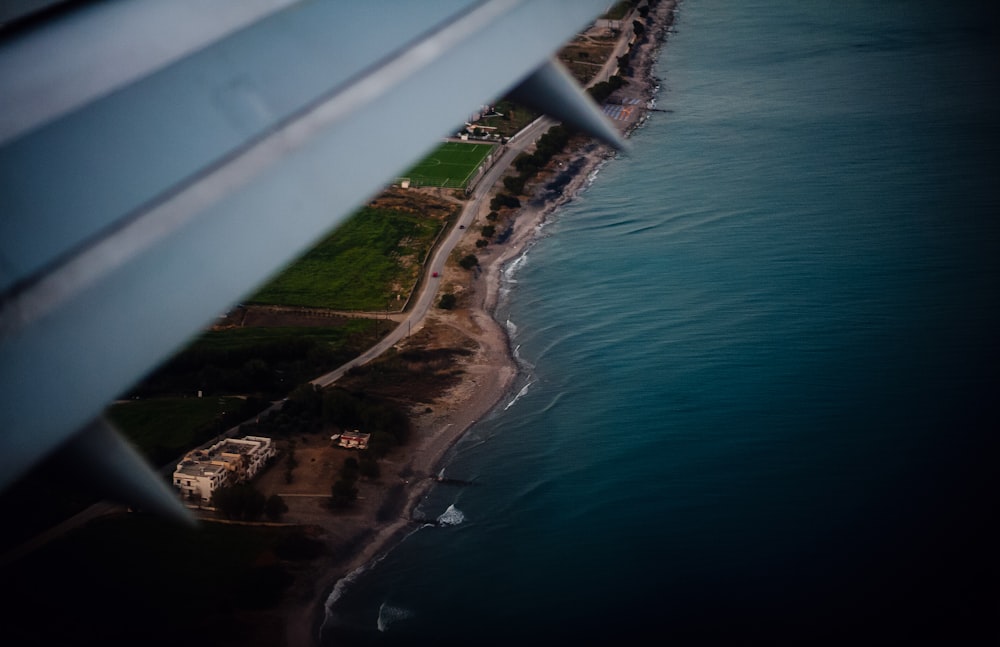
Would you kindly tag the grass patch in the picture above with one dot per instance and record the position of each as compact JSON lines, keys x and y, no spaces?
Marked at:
{"x":266,"y":361}
{"x":620,"y":10}
{"x":169,"y":424}
{"x":451,"y":165}
{"x":375,"y":255}
{"x":238,"y":339}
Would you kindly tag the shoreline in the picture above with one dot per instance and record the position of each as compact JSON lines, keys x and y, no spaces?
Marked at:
{"x":489,"y":373}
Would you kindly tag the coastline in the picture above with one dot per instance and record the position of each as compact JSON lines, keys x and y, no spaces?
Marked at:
{"x":488,"y":372}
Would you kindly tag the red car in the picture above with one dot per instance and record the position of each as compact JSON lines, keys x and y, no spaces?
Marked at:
{"x":435,"y":274}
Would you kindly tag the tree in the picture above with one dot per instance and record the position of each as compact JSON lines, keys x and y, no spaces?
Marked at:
{"x":291,"y":463}
{"x":382,"y":442}
{"x":504,"y":200}
{"x":468,"y":262}
{"x":341,"y":408}
{"x":307,"y":396}
{"x":350,"y":470}
{"x":447,"y":301}
{"x":242,"y":501}
{"x":514,"y":184}
{"x":343,"y":494}
{"x":368,"y":467}
{"x":527,"y":164}
{"x":274,"y":507}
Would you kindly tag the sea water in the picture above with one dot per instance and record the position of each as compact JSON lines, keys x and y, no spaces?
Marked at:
{"x":759,"y":361}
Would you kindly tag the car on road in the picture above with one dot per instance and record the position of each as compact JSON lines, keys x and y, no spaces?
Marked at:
{"x":435,"y":275}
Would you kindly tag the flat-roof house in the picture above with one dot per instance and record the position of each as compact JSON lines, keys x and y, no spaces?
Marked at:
{"x":227,"y":462}
{"x":354,"y":440}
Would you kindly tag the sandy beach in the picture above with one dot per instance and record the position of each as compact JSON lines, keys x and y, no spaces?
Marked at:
{"x":382,"y":516}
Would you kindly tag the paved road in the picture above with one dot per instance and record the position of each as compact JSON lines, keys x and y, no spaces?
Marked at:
{"x":429,"y":284}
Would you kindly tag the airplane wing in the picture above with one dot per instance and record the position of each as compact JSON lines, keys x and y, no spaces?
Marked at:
{"x":159,"y":159}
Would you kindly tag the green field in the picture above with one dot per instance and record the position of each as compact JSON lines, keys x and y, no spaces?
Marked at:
{"x":363,"y":265}
{"x":451,"y":165}
{"x":236,"y":340}
{"x":168,"y":425}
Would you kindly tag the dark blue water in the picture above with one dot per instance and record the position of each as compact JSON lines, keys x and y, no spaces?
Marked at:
{"x":760,"y":387}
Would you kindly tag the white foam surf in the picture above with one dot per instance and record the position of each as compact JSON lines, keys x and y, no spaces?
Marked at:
{"x":388,"y":614}
{"x":517,"y":397}
{"x":451,"y":517}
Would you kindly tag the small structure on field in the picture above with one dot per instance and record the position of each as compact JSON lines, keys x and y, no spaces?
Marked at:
{"x":351,"y":439}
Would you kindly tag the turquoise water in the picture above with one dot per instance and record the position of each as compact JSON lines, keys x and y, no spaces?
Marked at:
{"x":759,"y":362}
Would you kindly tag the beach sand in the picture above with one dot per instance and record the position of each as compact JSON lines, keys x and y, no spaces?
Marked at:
{"x":382,"y":516}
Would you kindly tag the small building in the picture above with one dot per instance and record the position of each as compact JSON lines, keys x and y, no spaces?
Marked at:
{"x":354,"y":440}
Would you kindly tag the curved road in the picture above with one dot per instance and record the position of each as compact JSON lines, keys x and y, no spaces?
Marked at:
{"x":430,"y":283}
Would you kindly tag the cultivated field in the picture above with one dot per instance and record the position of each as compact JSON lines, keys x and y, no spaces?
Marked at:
{"x":371,"y":258}
{"x":168,"y":423}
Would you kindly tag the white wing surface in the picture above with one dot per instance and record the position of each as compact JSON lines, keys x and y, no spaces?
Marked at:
{"x":160,"y":159}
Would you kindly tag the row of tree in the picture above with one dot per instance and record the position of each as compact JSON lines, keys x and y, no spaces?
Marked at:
{"x":244,"y":502}
{"x":344,"y":490}
{"x":270,"y":368}
{"x":310,"y":409}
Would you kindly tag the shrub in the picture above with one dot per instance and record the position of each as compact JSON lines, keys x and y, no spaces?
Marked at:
{"x":343,"y":494}
{"x":502,"y":200}
{"x":242,"y":501}
{"x":369,"y":468}
{"x":514,"y":184}
{"x":447,"y":301}
{"x":274,"y":507}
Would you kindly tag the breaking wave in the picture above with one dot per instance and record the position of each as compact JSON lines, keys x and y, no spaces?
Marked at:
{"x":511,"y":268}
{"x":451,"y":517}
{"x":511,"y":328}
{"x":388,"y":614}
{"x":341,"y":586}
{"x":517,"y":397}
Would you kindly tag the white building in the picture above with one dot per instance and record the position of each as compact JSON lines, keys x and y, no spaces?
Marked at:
{"x":227,"y":462}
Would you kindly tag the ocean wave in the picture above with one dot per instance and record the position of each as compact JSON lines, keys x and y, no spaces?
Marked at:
{"x":341,"y":587}
{"x":388,"y":614}
{"x":344,"y":583}
{"x":592,"y":176}
{"x":552,"y":403}
{"x":451,"y":517}
{"x":511,"y":330}
{"x":517,"y":397}
{"x":510,"y":268}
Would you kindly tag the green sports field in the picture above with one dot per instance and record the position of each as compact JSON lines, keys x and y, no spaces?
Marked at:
{"x":451,"y":165}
